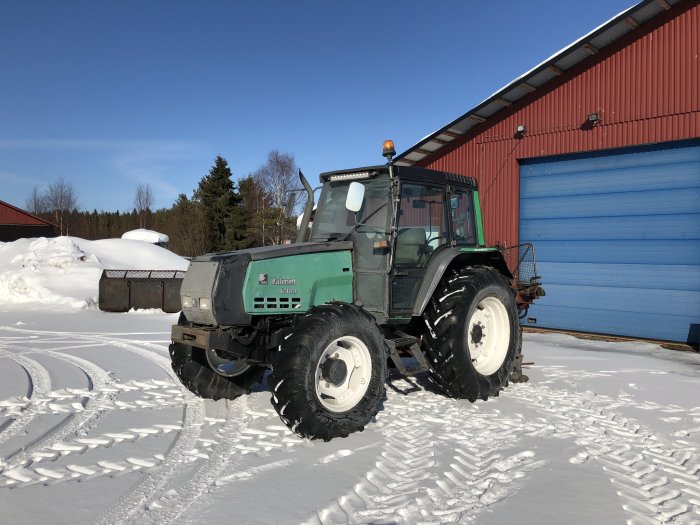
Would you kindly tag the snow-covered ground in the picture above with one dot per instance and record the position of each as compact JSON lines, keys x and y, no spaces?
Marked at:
{"x":95,"y":428}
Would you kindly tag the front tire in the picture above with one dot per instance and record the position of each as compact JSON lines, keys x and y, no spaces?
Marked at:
{"x":328,"y":377}
{"x":197,"y":370}
{"x":191,"y":366}
{"x":472,"y":333}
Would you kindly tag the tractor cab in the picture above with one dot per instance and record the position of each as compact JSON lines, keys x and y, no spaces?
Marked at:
{"x":401,"y":220}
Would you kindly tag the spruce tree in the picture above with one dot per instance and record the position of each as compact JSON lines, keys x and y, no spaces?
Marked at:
{"x":217,"y":195}
{"x":236,"y":231}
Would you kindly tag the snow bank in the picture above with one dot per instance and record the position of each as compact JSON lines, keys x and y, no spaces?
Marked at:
{"x":65,"y":271}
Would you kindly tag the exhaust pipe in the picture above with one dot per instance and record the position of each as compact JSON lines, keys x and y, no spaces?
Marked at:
{"x":302,"y":234}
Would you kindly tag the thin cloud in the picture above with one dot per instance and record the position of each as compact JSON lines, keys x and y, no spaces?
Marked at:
{"x":123,"y":163}
{"x":25,"y":180}
{"x":155,"y":164}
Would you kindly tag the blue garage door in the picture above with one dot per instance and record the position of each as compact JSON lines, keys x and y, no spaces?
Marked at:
{"x":617,"y":236}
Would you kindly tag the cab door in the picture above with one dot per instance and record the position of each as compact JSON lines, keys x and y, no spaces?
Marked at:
{"x":422,"y":229}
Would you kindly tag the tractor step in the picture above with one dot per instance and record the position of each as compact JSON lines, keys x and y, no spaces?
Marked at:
{"x":405,"y":340}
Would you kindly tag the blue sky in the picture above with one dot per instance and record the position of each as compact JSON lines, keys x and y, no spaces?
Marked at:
{"x":108,"y":95}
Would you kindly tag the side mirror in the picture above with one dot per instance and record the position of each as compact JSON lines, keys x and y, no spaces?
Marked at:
{"x":355,"y":198}
{"x":454,"y":202}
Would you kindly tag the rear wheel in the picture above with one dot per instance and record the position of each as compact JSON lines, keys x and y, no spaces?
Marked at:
{"x":328,"y":377}
{"x":472,"y":333}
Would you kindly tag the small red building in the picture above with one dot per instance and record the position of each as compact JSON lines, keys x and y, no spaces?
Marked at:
{"x":594,"y":156}
{"x":16,"y":224}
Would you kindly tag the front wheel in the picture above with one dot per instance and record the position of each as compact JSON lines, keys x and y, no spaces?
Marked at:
{"x":472,"y":333}
{"x":194,"y":370}
{"x":211,"y":374}
{"x":328,"y":377}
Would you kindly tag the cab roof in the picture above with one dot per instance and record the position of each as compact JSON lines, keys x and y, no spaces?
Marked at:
{"x":410,"y":173}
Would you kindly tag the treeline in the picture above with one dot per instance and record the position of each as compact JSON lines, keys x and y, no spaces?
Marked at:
{"x":220,"y":215}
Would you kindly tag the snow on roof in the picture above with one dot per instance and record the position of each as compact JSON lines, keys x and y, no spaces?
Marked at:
{"x":142,"y":234}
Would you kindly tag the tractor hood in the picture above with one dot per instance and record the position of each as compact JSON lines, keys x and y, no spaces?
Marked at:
{"x":227,"y":289}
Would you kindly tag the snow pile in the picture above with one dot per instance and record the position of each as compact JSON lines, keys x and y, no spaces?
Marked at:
{"x":141,"y":234}
{"x":65,"y":271}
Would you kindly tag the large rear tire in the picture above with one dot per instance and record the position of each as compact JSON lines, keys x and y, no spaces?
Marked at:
{"x":472,"y":334}
{"x":328,"y":376}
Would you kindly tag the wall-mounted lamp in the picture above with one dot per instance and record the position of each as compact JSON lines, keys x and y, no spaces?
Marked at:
{"x":593,"y":118}
{"x":519,"y":131}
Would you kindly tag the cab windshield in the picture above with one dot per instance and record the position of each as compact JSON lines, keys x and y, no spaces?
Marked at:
{"x":333,"y":222}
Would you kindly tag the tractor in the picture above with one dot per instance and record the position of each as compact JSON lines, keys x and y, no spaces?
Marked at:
{"x":393,"y":266}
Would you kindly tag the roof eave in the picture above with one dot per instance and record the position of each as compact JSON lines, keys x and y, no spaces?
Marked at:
{"x":536,"y":78}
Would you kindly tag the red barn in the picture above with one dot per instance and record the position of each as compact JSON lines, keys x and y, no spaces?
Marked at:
{"x":594,"y":156}
{"x":16,"y":224}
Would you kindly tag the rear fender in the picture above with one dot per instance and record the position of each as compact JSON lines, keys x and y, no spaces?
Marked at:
{"x":445,"y":260}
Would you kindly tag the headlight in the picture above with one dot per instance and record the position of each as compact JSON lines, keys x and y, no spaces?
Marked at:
{"x":204,"y":303}
{"x":187,"y":302}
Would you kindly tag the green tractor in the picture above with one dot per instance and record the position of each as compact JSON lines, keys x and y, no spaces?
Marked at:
{"x":395,"y":266}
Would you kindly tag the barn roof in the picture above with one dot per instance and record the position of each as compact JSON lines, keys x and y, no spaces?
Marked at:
{"x":533,"y":80}
{"x":10,"y":214}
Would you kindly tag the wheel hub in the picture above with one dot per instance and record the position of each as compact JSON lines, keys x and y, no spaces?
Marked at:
{"x":334,"y":371}
{"x":477,"y":333}
{"x":489,"y":335}
{"x":343,"y":374}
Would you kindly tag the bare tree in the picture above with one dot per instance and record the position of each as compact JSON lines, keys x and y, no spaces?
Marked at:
{"x":277,"y":177}
{"x":36,"y":202}
{"x":143,"y":202}
{"x":60,"y":199}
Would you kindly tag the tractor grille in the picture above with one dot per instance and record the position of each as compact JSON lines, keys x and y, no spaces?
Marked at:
{"x":276,"y":303}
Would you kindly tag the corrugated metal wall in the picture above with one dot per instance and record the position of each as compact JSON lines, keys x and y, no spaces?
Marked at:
{"x":618,"y":240}
{"x":646,"y":89}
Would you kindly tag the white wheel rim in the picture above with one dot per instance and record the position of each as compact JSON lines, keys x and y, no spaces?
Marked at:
{"x":345,"y":394}
{"x":225,"y":367}
{"x":488,"y":335}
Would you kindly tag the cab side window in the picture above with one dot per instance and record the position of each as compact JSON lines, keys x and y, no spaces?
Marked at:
{"x":462,"y":217}
{"x":422,"y":224}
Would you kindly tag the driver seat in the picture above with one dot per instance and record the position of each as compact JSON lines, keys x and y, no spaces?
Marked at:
{"x":410,"y":246}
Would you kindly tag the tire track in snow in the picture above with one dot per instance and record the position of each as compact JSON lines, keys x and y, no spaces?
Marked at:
{"x":75,"y":423}
{"x":39,"y":385}
{"x":59,"y":474}
{"x":245,"y":433}
{"x":167,"y":505}
{"x":193,"y":419}
{"x":155,"y":394}
{"x":408,"y":484}
{"x":149,"y":487}
{"x":176,"y":460}
{"x":645,"y":468}
{"x":657,"y":479}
